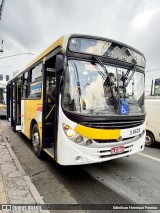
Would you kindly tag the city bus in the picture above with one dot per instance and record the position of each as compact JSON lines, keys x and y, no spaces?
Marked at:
{"x":98,"y":110}
{"x":3,"y":99}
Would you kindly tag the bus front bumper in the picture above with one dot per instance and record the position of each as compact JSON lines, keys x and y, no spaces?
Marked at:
{"x":70,"y":153}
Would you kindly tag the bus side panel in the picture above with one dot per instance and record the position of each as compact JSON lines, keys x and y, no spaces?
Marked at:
{"x":29,"y":113}
{"x":22,"y":116}
{"x":32,"y":111}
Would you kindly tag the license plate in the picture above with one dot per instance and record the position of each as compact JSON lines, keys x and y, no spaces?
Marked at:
{"x":117,"y":150}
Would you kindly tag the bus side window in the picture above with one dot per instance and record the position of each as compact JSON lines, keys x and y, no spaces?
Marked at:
{"x":35,"y":82}
{"x":25,"y":86}
{"x":51,"y":83}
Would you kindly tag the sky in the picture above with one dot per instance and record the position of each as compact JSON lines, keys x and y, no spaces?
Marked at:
{"x":30,"y":26}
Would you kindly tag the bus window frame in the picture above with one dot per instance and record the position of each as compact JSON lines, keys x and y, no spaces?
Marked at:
{"x":75,"y":117}
{"x":26,"y":85}
{"x":29,"y":82}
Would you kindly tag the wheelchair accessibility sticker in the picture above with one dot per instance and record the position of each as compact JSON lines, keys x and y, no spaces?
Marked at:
{"x":123,"y":109}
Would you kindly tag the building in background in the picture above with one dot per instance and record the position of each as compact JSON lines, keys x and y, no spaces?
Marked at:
{"x":151,"y":76}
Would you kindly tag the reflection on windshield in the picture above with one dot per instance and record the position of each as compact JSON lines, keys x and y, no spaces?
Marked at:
{"x":90,"y":90}
{"x":107,"y":49}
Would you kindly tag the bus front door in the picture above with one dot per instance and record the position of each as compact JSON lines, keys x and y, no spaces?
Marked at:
{"x":48,"y":135}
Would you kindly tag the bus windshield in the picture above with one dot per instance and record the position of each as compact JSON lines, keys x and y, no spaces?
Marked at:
{"x":89,"y":90}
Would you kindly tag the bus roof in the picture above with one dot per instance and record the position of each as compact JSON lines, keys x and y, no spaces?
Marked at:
{"x":59,"y":42}
{"x":105,"y":38}
{"x":62,"y":41}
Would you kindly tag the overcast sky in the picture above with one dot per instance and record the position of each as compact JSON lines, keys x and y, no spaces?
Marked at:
{"x":32,"y":25}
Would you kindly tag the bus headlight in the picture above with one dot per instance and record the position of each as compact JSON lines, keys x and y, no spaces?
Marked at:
{"x":72,"y":135}
{"x":88,"y":142}
{"x":79,"y":139}
{"x":69,"y":131}
{"x":76,"y":137}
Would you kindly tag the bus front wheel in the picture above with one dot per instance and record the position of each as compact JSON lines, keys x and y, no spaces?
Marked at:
{"x":150,"y":141}
{"x":36,"y":141}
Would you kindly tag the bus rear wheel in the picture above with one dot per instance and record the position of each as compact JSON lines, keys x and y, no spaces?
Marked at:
{"x":150,"y":141}
{"x":36,"y":141}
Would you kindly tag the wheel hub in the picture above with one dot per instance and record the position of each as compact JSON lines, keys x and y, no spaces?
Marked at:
{"x":148,"y":139}
{"x":35,"y":140}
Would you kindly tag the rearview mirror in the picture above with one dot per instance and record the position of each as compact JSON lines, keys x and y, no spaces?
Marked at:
{"x":59,"y":64}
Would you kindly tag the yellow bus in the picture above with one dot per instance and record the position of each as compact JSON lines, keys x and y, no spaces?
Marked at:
{"x":98,"y":110}
{"x":3,"y":98}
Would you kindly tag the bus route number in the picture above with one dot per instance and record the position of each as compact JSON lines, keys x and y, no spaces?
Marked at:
{"x":134,"y":131}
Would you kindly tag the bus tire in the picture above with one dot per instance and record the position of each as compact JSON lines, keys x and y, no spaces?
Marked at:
{"x":149,"y":141}
{"x":36,"y":141}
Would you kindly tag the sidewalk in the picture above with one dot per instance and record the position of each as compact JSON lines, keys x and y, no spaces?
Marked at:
{"x":15,"y":186}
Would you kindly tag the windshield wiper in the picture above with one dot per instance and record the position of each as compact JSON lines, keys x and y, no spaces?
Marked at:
{"x":103,"y":67}
{"x":107,"y":79}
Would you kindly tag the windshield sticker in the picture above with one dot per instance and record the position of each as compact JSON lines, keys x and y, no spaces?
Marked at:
{"x":123,"y":109}
{"x":39,"y":113}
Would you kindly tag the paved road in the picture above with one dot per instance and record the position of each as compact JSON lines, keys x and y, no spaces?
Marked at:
{"x":129,"y":180}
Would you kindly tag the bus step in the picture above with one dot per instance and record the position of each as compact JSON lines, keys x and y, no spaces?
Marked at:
{"x":49,"y":124}
{"x":49,"y":142}
{"x":50,"y":151}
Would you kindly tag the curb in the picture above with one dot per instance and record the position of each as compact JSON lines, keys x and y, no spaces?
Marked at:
{"x":34,"y":192}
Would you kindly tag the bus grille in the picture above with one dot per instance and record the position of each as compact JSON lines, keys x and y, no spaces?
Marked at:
{"x":113,"y":124}
{"x":107,"y":154}
{"x":111,"y":140}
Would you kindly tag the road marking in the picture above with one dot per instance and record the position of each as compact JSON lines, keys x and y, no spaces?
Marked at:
{"x":149,"y":156}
